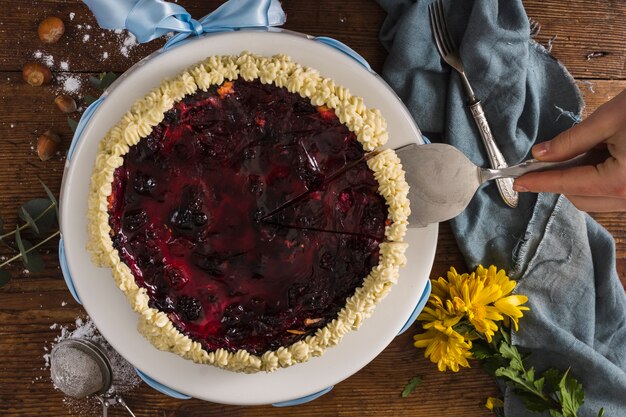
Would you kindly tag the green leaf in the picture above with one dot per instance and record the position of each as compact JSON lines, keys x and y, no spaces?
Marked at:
{"x":533,"y":402}
{"x":491,"y":365}
{"x":20,"y":245}
{"x":35,"y":208}
{"x":29,"y":220}
{"x":555,"y":413}
{"x":506,"y":335}
{"x":107,"y":79}
{"x":73,"y":124}
{"x":51,"y":197}
{"x":103,"y":81}
{"x":601,"y":412}
{"x":511,"y":353}
{"x":35,"y":263}
{"x":552,"y":377}
{"x":411,"y":386}
{"x":571,"y":394}
{"x":463,"y":327}
{"x":5,"y":277}
{"x":88,"y":99}
{"x":481,"y":350}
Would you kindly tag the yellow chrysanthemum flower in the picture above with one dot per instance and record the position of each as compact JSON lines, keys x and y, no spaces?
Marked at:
{"x":483,"y":298}
{"x":444,"y":346}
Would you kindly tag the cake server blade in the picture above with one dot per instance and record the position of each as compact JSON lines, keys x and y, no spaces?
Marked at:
{"x":443,"y":180}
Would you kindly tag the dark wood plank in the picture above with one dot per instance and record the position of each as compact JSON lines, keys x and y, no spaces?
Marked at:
{"x":580,"y":28}
{"x":575,"y":23}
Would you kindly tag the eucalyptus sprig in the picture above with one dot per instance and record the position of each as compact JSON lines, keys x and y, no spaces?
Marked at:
{"x":554,"y":391}
{"x":40,"y":217}
{"x":101,"y":82}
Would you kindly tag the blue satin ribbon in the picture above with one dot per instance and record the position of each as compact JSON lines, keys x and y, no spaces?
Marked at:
{"x":150,"y":19}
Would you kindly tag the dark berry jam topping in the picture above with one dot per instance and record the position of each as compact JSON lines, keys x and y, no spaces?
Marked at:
{"x":189,"y":214}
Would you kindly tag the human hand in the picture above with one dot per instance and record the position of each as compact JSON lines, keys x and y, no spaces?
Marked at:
{"x":595,"y":188}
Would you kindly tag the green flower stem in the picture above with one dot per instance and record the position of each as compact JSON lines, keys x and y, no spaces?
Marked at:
{"x":25,"y":225}
{"x":19,"y":255}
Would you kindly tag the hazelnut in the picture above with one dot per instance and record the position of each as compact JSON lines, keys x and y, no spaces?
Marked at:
{"x":47,"y":145}
{"x":65,"y":103}
{"x":51,"y":29}
{"x":36,"y":74}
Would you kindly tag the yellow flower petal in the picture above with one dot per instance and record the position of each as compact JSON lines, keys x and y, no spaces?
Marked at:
{"x":445,"y":347}
{"x":493,"y":402}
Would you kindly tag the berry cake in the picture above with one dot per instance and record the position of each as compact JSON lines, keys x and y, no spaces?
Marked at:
{"x":244,"y":214}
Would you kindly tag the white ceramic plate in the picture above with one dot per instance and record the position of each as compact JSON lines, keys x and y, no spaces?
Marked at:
{"x":110,"y":310}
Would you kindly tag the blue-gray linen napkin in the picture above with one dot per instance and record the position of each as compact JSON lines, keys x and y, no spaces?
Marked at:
{"x":564,"y":260}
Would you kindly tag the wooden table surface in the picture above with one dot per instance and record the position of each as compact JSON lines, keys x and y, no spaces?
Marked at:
{"x":29,"y":305}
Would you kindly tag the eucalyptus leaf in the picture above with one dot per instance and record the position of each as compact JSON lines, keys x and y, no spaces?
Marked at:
{"x":35,"y":263}
{"x":5,"y":277}
{"x":73,"y":124}
{"x":29,"y":220}
{"x":35,"y":208}
{"x":20,"y":245}
{"x":51,"y":197}
{"x":95,"y":81}
{"x":88,"y":99}
{"x":107,"y":79}
{"x":103,"y":81}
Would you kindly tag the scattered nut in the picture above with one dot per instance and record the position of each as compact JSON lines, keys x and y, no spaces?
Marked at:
{"x":47,"y":145}
{"x":51,"y":29}
{"x":295,"y":331}
{"x":65,"y":103}
{"x":310,"y":322}
{"x":36,"y":74}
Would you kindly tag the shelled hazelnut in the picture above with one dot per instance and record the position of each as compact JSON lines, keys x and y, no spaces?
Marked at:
{"x":36,"y":74}
{"x":47,"y":145}
{"x":51,"y":29}
{"x":65,"y":103}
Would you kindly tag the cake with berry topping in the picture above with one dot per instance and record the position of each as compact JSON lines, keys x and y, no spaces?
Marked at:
{"x":249,"y":212}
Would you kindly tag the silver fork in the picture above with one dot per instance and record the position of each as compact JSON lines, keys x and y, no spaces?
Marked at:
{"x":450,"y":54}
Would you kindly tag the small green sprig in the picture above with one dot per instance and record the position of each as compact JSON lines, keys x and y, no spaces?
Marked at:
{"x":40,"y":216}
{"x":101,"y":82}
{"x":554,"y":391}
{"x":411,"y":386}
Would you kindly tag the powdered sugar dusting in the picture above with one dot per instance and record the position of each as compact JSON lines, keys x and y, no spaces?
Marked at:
{"x":128,"y":44}
{"x":69,"y":83}
{"x":46,"y":58}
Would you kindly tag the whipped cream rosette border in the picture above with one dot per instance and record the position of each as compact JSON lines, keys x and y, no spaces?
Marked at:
{"x":371,"y":130}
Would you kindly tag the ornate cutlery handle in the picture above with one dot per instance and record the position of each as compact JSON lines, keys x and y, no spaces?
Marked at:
{"x":505,"y":185}
{"x":592,"y":157}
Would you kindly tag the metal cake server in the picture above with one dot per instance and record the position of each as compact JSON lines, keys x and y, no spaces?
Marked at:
{"x":443,"y":180}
